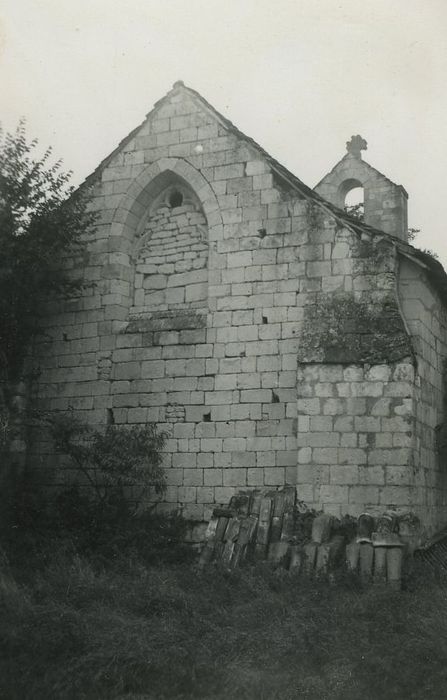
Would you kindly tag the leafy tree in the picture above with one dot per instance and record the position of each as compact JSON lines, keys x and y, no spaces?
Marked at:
{"x":42,"y":220}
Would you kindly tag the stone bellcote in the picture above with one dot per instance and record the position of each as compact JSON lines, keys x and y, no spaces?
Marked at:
{"x":385,"y":203}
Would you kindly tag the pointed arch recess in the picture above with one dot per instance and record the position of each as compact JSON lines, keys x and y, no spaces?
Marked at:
{"x":149,"y":184}
{"x":131,"y":214}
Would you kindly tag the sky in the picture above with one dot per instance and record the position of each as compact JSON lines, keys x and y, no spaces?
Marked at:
{"x":299,"y":77}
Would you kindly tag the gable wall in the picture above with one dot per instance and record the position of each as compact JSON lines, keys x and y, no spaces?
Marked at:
{"x":221,"y":379}
{"x":249,"y":381}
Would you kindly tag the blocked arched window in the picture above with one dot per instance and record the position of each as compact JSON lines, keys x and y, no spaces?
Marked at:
{"x":171,"y":255}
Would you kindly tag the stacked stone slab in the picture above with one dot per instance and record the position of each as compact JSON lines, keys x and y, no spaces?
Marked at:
{"x":262,"y":525}
{"x":257,"y":525}
{"x":378,"y":552}
{"x":271,"y":335}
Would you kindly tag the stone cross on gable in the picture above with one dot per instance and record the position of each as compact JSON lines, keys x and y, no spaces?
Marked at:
{"x":356,"y":145}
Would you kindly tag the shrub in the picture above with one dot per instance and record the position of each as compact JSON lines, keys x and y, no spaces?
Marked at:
{"x":115,"y":477}
{"x":121,"y":464}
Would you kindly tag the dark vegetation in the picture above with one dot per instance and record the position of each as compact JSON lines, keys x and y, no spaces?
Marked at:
{"x":106,"y":483}
{"x":43,"y":222}
{"x":121,"y":463}
{"x":138,"y":620}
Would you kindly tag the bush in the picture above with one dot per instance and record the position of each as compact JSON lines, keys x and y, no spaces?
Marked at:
{"x":116,"y":477}
{"x":118,"y":465}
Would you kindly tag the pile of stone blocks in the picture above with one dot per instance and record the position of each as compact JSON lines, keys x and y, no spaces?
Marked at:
{"x":381,"y":545}
{"x":324,"y":553}
{"x":376,"y":552}
{"x":257,"y":524}
{"x":271,"y":525}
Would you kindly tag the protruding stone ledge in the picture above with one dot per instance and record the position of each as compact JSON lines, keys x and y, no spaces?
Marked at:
{"x":176,"y":320}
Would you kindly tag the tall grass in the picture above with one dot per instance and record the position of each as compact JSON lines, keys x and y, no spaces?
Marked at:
{"x":77,"y":627}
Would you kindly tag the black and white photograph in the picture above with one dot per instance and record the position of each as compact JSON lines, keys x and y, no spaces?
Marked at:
{"x":223,"y":350}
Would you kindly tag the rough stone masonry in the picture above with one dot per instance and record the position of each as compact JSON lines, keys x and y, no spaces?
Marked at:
{"x":277,"y":339}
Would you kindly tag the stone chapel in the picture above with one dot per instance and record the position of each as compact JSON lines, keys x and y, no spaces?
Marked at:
{"x":277,"y":339}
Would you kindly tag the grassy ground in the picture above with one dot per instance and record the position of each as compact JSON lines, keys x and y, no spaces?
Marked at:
{"x":76,"y":627}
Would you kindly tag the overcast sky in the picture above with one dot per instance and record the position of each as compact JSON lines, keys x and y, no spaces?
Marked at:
{"x":298,"y":76}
